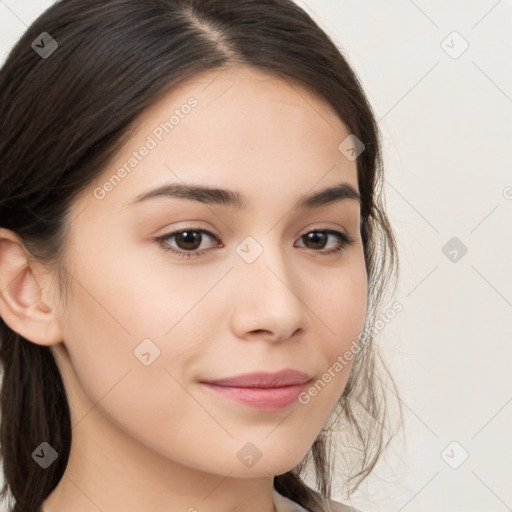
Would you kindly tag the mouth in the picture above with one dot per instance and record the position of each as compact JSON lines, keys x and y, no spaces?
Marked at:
{"x":262,"y":390}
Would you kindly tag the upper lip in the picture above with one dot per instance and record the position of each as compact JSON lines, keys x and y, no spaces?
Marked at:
{"x":263,"y":379}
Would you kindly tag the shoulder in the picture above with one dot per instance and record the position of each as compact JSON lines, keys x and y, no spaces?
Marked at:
{"x":336,"y":506}
{"x":322,"y":504}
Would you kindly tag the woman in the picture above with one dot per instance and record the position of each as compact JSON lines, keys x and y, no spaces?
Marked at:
{"x":193,"y":248}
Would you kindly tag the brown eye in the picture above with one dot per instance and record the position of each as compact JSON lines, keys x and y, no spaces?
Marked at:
{"x":317,"y":240}
{"x":186,"y":240}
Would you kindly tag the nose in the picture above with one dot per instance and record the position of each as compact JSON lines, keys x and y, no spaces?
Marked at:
{"x":269,"y":300}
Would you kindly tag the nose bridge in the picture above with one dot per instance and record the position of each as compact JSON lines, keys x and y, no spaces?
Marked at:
{"x":263,"y":258}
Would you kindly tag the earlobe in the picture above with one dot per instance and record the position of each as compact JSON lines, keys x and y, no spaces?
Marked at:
{"x":22,"y":304}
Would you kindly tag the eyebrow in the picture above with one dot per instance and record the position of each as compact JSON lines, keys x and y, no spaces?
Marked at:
{"x":230,"y":198}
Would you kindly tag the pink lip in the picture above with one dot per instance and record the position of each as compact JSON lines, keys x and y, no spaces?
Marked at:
{"x":264,"y":391}
{"x":263,"y":379}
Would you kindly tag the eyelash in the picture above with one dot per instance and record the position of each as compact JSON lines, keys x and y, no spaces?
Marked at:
{"x":344,"y":241}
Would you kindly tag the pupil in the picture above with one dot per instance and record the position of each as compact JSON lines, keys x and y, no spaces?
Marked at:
{"x":315,"y":237}
{"x":189,"y":237}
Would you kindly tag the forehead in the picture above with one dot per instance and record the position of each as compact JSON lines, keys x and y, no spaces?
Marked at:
{"x":241,"y":128}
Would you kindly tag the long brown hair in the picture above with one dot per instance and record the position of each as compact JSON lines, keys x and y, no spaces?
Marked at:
{"x":63,"y":118}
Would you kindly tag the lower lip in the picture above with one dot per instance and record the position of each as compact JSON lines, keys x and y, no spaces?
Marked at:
{"x":265,"y":399}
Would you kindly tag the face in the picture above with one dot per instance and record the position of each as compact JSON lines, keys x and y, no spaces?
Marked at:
{"x":168,"y":291}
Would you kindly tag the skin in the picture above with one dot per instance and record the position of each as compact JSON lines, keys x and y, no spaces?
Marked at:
{"x":151,"y":437}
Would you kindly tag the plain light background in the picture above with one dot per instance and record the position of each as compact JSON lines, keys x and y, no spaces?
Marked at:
{"x":439,"y":78}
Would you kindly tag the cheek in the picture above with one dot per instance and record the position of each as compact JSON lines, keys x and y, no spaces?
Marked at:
{"x":108,"y":379}
{"x":342,"y":304}
{"x":124,"y":315}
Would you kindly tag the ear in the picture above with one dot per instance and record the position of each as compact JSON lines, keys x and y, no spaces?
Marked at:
{"x":23,"y":305}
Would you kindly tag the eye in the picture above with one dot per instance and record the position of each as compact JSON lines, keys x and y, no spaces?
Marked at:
{"x":320,"y":237}
{"x":189,"y":241}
